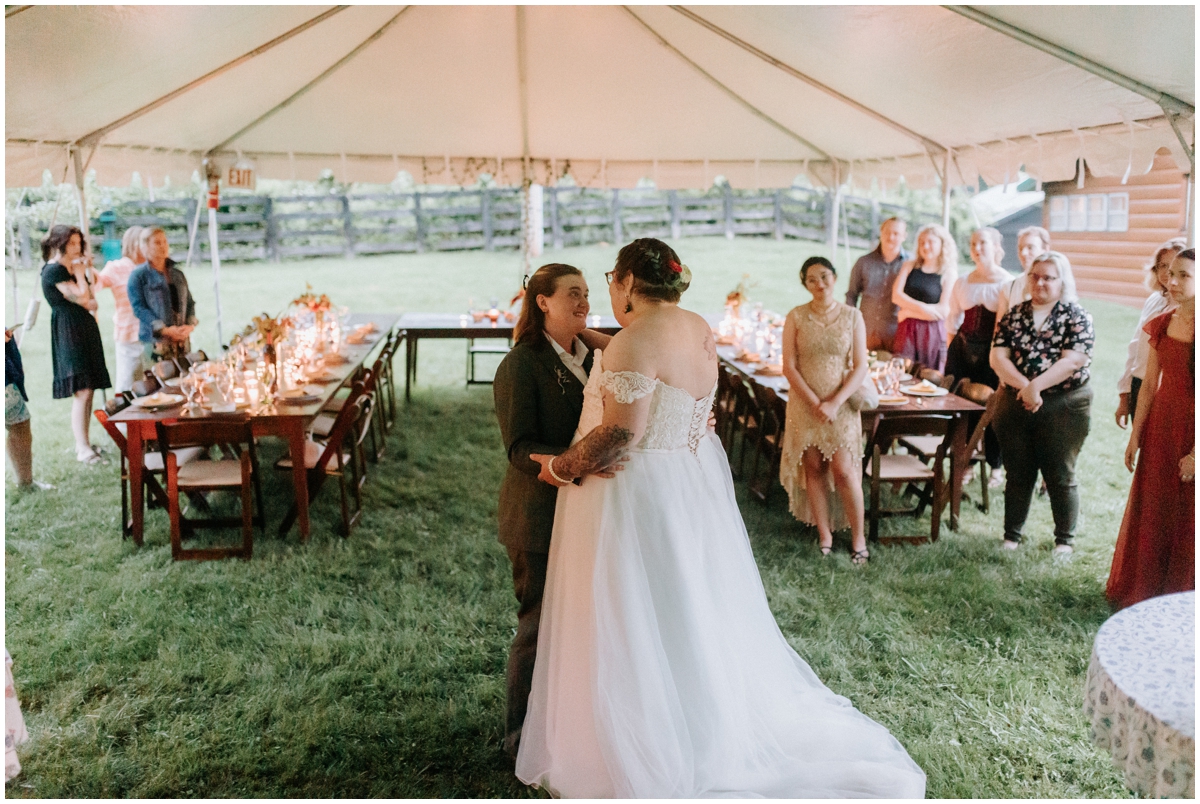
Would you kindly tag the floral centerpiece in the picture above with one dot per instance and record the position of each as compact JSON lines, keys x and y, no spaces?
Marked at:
{"x":316,"y":304}
{"x":270,"y":332}
{"x":738,"y":296}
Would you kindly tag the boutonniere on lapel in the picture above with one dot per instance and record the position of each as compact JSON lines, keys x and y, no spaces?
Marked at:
{"x":560,"y":374}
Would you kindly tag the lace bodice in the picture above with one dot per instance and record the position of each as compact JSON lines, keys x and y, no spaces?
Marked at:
{"x":676,"y":420}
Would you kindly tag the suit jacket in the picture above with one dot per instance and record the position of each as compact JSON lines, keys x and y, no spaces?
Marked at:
{"x":538,"y":404}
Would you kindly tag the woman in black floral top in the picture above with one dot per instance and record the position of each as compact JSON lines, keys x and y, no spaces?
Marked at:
{"x":1041,"y":353}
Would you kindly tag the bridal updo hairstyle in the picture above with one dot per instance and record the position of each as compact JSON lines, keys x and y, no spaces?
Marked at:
{"x":543,"y":282}
{"x":657,"y":272}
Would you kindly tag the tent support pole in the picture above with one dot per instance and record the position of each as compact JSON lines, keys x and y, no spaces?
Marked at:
{"x":1169,"y":103}
{"x":1190,"y":150}
{"x":946,"y":190}
{"x":77,"y":159}
{"x":83,"y":216}
{"x":835,"y":200}
{"x":526,"y":178}
{"x":1189,"y":211}
{"x":216,"y":267}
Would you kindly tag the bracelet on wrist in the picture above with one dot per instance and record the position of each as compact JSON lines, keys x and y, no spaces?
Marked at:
{"x":550,"y":469}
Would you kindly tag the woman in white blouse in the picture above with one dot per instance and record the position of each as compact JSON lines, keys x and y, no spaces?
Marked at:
{"x":974,"y":299}
{"x":1032,"y":242}
{"x":1139,"y":346}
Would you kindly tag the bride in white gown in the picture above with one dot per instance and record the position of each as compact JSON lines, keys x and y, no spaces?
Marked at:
{"x":660,"y":669}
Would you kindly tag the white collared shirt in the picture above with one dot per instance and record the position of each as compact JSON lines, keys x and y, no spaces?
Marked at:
{"x":573,"y":361}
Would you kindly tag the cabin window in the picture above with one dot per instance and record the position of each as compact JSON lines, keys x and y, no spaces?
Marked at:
{"x":1095,"y":212}
{"x":1118,"y":212}
{"x":1058,"y":213}
{"x":1077,"y":213}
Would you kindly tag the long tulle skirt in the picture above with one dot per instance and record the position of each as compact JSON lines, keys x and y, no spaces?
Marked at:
{"x":661,"y":671}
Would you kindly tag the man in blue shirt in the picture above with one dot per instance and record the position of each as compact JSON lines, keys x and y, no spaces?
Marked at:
{"x":159,"y":295}
{"x":872,"y":278}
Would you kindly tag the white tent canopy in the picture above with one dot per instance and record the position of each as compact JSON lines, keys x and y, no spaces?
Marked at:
{"x":608,"y":94}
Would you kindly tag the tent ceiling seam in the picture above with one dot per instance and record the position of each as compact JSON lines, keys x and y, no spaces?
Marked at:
{"x":792,"y":71}
{"x":1168,"y":103}
{"x":93,"y":136}
{"x":15,"y":10}
{"x":729,"y":91}
{"x":304,"y":89}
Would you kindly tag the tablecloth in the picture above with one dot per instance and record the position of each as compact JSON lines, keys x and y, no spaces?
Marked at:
{"x":1141,"y":694}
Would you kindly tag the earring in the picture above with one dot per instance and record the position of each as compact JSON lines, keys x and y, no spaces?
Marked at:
{"x":628,"y":305}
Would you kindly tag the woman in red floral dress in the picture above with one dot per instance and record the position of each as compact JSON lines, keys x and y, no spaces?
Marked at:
{"x":1155,"y":552}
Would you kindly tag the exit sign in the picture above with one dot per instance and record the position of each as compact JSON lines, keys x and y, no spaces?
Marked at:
{"x":241,"y":176}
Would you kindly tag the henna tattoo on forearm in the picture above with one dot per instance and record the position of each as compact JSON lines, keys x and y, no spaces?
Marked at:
{"x":598,"y":449}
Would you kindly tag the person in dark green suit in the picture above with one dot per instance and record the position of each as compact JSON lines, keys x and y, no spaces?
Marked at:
{"x":538,"y":391}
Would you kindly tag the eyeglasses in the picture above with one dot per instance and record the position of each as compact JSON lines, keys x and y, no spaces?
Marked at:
{"x":608,"y":277}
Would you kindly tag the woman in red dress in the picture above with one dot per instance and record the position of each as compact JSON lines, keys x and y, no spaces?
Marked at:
{"x":1155,"y":552}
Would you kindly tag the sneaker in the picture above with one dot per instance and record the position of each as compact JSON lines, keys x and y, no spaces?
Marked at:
{"x":1063,"y":550}
{"x":1010,"y":545}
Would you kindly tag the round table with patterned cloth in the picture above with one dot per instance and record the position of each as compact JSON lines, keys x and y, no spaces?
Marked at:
{"x":1141,"y":694}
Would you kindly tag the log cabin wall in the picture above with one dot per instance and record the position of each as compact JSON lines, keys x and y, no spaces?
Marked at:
{"x":1109,"y":230}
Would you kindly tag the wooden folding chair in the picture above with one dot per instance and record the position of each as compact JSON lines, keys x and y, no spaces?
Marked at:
{"x":981,"y":395}
{"x":165,"y":370}
{"x":156,"y":495}
{"x":334,"y":461}
{"x":387,"y":378}
{"x":882,"y":468}
{"x":205,"y":476}
{"x":936,"y":377}
{"x":725,"y":406}
{"x":770,"y":443}
{"x":747,"y":421}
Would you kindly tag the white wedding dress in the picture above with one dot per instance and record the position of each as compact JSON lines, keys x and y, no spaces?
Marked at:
{"x":660,"y":669}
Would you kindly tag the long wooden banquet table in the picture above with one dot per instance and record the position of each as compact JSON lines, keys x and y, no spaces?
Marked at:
{"x":289,"y":422}
{"x":957,"y":407}
{"x":448,"y":325}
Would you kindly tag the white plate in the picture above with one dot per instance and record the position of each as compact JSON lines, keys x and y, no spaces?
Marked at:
{"x":935,"y":392}
{"x":156,"y":400}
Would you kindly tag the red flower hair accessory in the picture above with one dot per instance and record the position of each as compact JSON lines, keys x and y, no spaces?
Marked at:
{"x":675,"y":267}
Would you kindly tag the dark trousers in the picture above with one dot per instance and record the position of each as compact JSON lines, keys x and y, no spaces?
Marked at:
{"x":1047,"y":441}
{"x":529,"y":581}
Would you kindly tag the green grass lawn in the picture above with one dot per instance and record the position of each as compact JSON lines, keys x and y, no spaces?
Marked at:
{"x":374,"y":666}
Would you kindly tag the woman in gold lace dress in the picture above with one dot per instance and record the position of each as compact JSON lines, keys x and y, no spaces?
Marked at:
{"x":825,"y":362}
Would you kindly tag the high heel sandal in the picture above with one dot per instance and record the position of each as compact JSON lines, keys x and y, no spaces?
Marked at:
{"x":860,"y":557}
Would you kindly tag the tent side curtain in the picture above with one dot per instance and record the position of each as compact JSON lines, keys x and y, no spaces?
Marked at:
{"x":1116,"y":150}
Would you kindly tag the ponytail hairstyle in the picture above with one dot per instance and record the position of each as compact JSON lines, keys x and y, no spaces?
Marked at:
{"x":543,"y":282}
{"x":657,"y":272}
{"x":58,"y":238}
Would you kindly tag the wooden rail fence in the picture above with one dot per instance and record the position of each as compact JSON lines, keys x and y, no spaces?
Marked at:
{"x":272,"y":228}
